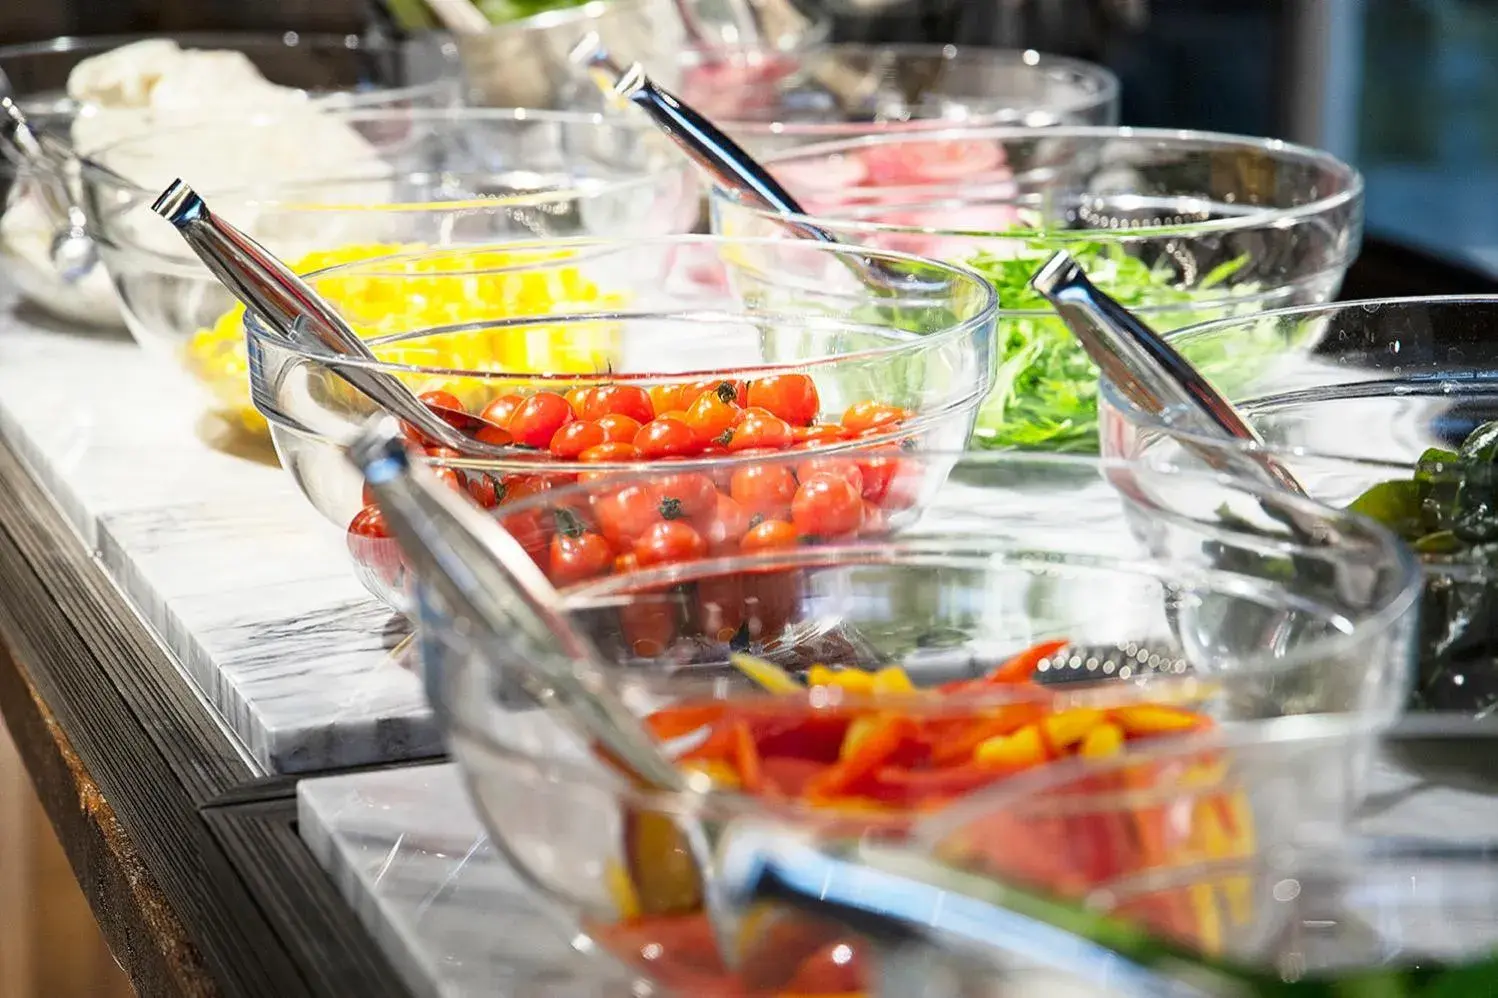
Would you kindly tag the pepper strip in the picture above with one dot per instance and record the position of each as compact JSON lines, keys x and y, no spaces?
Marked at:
{"x":873,"y":748}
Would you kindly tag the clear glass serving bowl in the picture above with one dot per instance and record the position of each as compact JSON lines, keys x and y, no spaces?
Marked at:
{"x":647,"y":318}
{"x":410,"y":179}
{"x":526,"y":62}
{"x":1355,"y":395}
{"x":1155,"y":590}
{"x":1181,"y":226}
{"x":340,"y":70}
{"x":768,"y":100}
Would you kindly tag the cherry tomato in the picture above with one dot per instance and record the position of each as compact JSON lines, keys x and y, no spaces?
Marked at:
{"x":669,"y":541}
{"x":610,"y":450}
{"x":792,"y":397}
{"x":817,"y":434}
{"x":532,"y":529}
{"x":758,"y":428}
{"x":665,"y":398}
{"x":874,"y":522}
{"x":837,"y":968}
{"x":619,"y":428}
{"x":769,"y":536}
{"x":578,"y":398}
{"x":727,"y":523}
{"x":449,"y":477}
{"x":620,"y":400}
{"x":688,"y":495}
{"x":666,"y":437}
{"x":370,"y":545}
{"x":483,"y":490}
{"x":827,"y":506}
{"x":890,"y":482}
{"x":863,"y":416}
{"x":577,"y":557}
{"x":711,"y":418}
{"x":514,"y":488}
{"x":369,"y":522}
{"x":489,"y":433}
{"x":575,"y":437}
{"x":625,"y":514}
{"x":731,"y":392}
{"x":501,"y":410}
{"x":538,"y":419}
{"x":442,"y":400}
{"x":763,"y":490}
{"x":841,"y":467}
{"x":719,"y":610}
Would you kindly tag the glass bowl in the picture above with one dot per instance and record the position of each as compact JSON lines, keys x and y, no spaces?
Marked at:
{"x":343,"y":70}
{"x":1181,"y":226}
{"x":768,"y":100}
{"x":1123,"y":591}
{"x":525,"y":62}
{"x":787,"y":337}
{"x":411,"y":179}
{"x":1359,"y":394}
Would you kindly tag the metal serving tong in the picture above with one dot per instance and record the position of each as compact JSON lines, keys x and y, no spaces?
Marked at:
{"x":267,"y":287}
{"x":488,"y":582}
{"x":73,"y":253}
{"x":719,"y":156}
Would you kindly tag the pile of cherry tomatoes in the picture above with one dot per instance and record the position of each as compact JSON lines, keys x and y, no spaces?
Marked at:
{"x":742,"y":506}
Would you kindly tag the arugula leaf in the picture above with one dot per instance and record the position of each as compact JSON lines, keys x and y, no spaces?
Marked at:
{"x":1045,"y":395}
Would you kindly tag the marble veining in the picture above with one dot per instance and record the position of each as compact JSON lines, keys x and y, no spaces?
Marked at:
{"x":244,"y":583}
{"x":407,"y":851}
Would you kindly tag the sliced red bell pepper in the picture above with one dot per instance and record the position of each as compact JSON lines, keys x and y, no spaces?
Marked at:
{"x":789,"y":775}
{"x":1021,"y":667}
{"x":957,"y":746}
{"x":873,"y":751}
{"x":899,"y":785}
{"x":670,"y":723}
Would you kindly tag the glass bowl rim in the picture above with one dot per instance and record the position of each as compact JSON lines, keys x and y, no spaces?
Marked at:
{"x":1350,"y":188}
{"x":94,"y":172}
{"x":817,"y":26}
{"x":88,"y":45}
{"x":1102,"y":81}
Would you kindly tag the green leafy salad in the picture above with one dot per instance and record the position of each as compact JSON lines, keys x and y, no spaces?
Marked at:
{"x":1045,"y":396}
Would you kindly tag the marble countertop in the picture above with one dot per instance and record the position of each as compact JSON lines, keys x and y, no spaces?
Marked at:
{"x":408,"y":852}
{"x":244,"y":583}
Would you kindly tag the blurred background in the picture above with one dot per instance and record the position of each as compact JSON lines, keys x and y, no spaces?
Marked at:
{"x":1405,"y":89}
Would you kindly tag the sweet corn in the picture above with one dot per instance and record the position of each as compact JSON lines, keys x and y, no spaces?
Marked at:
{"x":443,"y":289}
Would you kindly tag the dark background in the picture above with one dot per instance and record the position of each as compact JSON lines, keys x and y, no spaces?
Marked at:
{"x":1405,"y":89}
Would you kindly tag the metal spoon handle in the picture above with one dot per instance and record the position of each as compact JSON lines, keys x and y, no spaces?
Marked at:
{"x":490,"y":583}
{"x":22,"y":144}
{"x":268,"y":287}
{"x":1145,"y":368}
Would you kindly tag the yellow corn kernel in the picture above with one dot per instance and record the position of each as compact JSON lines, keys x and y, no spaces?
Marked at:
{"x":892,"y":679}
{"x":1102,"y":742}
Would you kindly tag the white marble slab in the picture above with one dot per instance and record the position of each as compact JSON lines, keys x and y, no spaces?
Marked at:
{"x":245,"y":584}
{"x":406,"y":849}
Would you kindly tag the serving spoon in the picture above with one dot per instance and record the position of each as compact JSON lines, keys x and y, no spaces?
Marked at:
{"x":268,"y":287}
{"x":72,"y":252}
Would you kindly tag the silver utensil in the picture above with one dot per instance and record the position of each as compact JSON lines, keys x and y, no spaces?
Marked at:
{"x":717,"y":154}
{"x":268,"y":287}
{"x":73,"y":254}
{"x":1148,"y":370}
{"x":488,"y":582}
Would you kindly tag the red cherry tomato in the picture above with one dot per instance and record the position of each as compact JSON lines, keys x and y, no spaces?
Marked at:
{"x":864,"y":416}
{"x":763,"y":490}
{"x":769,"y":536}
{"x":482,"y":488}
{"x":665,"y":398}
{"x":686,"y":495}
{"x":666,"y":436}
{"x":719,"y":610}
{"x":725,"y":525}
{"x":514,"y":488}
{"x":577,"y":557}
{"x":817,"y":434}
{"x":890,"y":482}
{"x":538,"y":419}
{"x":442,"y":400}
{"x":492,"y":434}
{"x":669,"y":541}
{"x":711,"y":417}
{"x":827,"y":506}
{"x":370,"y":545}
{"x":874,"y":521}
{"x":841,"y":467}
{"x":619,"y":428}
{"x":731,"y":392}
{"x":610,"y":451}
{"x":369,"y":522}
{"x":792,"y":397}
{"x":578,"y":398}
{"x":501,"y":410}
{"x":574,"y":438}
{"x":759,"y":428}
{"x":620,"y":400}
{"x":625,"y":514}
